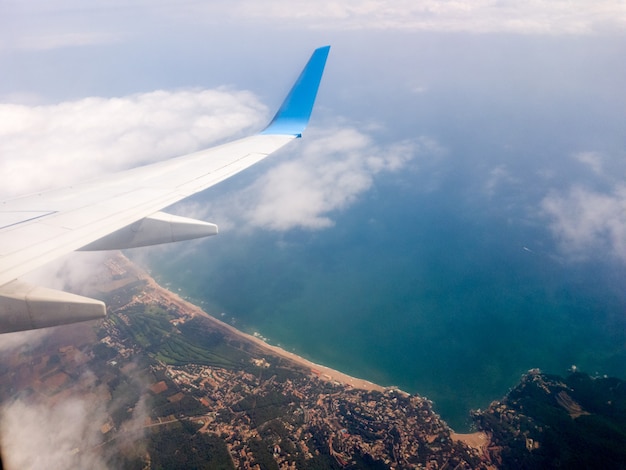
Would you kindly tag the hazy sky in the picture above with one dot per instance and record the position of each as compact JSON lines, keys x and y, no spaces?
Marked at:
{"x":100,"y":87}
{"x":523,"y":102}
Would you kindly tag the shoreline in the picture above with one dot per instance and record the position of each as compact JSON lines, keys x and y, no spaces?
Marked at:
{"x":477,"y":440}
{"x":188,"y":308}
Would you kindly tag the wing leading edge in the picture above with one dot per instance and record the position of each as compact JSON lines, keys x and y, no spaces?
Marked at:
{"x":123,"y":211}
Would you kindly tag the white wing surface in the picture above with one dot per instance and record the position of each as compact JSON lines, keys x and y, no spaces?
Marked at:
{"x":123,"y":211}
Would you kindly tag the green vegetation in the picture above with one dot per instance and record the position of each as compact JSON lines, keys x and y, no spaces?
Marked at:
{"x":180,"y":447}
{"x":185,"y":407}
{"x":191,"y":343}
{"x":102,"y":352}
{"x":268,"y":415}
{"x":593,"y":437}
{"x":263,"y":408}
{"x":262,"y":455}
{"x":125,"y":394}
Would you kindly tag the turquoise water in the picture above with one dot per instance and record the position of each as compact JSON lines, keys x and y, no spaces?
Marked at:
{"x":426,"y":290}
{"x":444,"y":279}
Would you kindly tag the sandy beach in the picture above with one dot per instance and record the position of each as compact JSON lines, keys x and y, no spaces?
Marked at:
{"x":477,"y":440}
{"x":186,"y":308}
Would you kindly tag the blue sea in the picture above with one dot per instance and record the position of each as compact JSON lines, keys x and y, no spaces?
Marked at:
{"x":430,"y":291}
{"x":446,"y":279}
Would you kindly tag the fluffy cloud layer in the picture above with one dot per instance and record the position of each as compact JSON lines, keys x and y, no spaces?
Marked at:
{"x":61,"y":23}
{"x":54,"y":145}
{"x":65,"y":432}
{"x":332,"y":169}
{"x":587,"y":222}
{"x":60,"y":436}
{"x":478,"y":16}
{"x":588,"y":219}
{"x":323,"y":174}
{"x":43,"y":146}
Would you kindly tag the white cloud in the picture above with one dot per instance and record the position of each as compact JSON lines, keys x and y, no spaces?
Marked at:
{"x":498,"y":177}
{"x":49,"y":25}
{"x":53,"y":436}
{"x":478,"y":16}
{"x":588,"y":219}
{"x":332,"y":169}
{"x":326,"y":172}
{"x":79,"y":272}
{"x":593,"y":160}
{"x":475,"y":16}
{"x":588,"y":223}
{"x":54,"y":145}
{"x":64,"y":430}
{"x":22,"y":339}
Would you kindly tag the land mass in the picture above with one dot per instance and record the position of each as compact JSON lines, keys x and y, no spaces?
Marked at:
{"x":182,"y":389}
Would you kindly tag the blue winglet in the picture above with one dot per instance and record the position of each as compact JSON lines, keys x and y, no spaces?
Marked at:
{"x":294,"y":113}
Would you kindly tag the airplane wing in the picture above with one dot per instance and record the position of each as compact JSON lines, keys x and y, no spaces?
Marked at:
{"x":123,"y":211}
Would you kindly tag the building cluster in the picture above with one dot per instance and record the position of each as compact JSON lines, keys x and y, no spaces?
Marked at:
{"x":267,"y":408}
{"x":295,"y":416}
{"x":303,"y":416}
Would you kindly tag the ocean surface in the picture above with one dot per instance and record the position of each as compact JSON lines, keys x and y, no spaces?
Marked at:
{"x":431,"y":291}
{"x":447,"y":278}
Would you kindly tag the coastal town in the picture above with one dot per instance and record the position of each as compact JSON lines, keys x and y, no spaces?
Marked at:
{"x":262,"y":406}
{"x":298,"y":411}
{"x":161,"y":384}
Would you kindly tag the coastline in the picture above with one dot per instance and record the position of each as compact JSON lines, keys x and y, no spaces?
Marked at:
{"x":186,"y":308}
{"x":477,"y":440}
